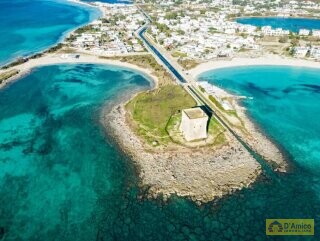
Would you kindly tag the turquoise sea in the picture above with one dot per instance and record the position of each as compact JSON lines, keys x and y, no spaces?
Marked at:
{"x":63,"y":178}
{"x":111,"y":1}
{"x":292,"y":24}
{"x":285,"y":104}
{"x":30,"y":26}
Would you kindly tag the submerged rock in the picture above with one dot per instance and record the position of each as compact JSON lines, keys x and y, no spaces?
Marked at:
{"x":203,"y":174}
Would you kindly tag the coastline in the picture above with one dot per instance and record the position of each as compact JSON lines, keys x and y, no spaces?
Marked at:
{"x":94,"y":13}
{"x":268,"y":60}
{"x":52,"y":59}
{"x":201,"y":174}
{"x":277,"y":16}
{"x":258,"y":140}
{"x":209,"y":173}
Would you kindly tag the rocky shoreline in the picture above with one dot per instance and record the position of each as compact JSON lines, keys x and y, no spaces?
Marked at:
{"x":202,"y":174}
{"x":251,"y":133}
{"x":261,"y":143}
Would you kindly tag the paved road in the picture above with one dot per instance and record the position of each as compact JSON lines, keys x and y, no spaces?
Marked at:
{"x":203,"y":102}
{"x":177,"y":75}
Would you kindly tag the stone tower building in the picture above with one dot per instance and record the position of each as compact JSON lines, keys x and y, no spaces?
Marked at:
{"x":194,"y":124}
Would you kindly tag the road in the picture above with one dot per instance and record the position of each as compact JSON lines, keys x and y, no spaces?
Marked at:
{"x":176,"y":74}
{"x":192,"y":90}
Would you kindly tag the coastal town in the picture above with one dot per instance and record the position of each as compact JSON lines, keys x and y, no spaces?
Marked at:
{"x":113,"y":34}
{"x":173,"y":42}
{"x":194,"y":32}
{"x":153,"y":120}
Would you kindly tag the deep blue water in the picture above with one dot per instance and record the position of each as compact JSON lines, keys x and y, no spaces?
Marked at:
{"x":63,"y":178}
{"x":292,"y":24}
{"x":29,"y":26}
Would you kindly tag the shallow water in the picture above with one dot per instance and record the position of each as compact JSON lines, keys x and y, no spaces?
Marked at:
{"x":30,"y":26}
{"x":292,"y":24}
{"x":285,"y":104}
{"x":62,"y":178}
{"x":111,"y":1}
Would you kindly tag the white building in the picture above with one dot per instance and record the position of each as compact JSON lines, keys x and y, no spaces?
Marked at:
{"x":304,"y":32}
{"x":268,"y":30}
{"x":194,"y":124}
{"x":316,"y":33}
{"x":300,"y":51}
{"x":315,"y":52}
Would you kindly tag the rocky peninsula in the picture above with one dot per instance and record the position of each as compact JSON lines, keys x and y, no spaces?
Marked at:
{"x":202,"y":174}
{"x":201,"y":171}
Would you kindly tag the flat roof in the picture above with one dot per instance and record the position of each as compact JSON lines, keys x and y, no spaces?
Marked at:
{"x":195,"y":113}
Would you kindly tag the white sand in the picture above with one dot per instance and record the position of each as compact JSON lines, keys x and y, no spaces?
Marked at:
{"x":266,"y":60}
{"x":52,"y":59}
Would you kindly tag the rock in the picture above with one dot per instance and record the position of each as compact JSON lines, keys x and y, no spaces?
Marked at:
{"x":202,"y":174}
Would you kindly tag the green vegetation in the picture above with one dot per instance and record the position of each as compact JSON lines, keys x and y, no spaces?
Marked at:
{"x":213,"y":30}
{"x":55,"y":48}
{"x":216,"y":136}
{"x":88,"y":28}
{"x":188,"y":63}
{"x":216,"y":129}
{"x":178,"y":54}
{"x":152,"y":110}
{"x":147,"y":61}
{"x":171,"y":15}
{"x":180,"y":32}
{"x":15,"y":63}
{"x":202,"y":89}
{"x":8,"y":74}
{"x":35,"y":56}
{"x":71,"y":38}
{"x":163,"y":28}
{"x":216,"y":103}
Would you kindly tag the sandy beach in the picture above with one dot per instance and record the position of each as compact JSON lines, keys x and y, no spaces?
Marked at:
{"x":52,"y":59}
{"x":266,"y":60}
{"x":203,"y":174}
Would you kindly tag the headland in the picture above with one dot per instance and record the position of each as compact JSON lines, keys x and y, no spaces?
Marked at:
{"x":146,"y":126}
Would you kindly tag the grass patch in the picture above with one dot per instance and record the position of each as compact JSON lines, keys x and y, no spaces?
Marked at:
{"x":152,"y":110}
{"x":216,"y":133}
{"x":178,"y":54}
{"x":216,"y":103}
{"x":85,"y":29}
{"x":147,"y":61}
{"x":216,"y":129}
{"x":202,"y":89}
{"x":188,"y":63}
{"x":8,"y":74}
